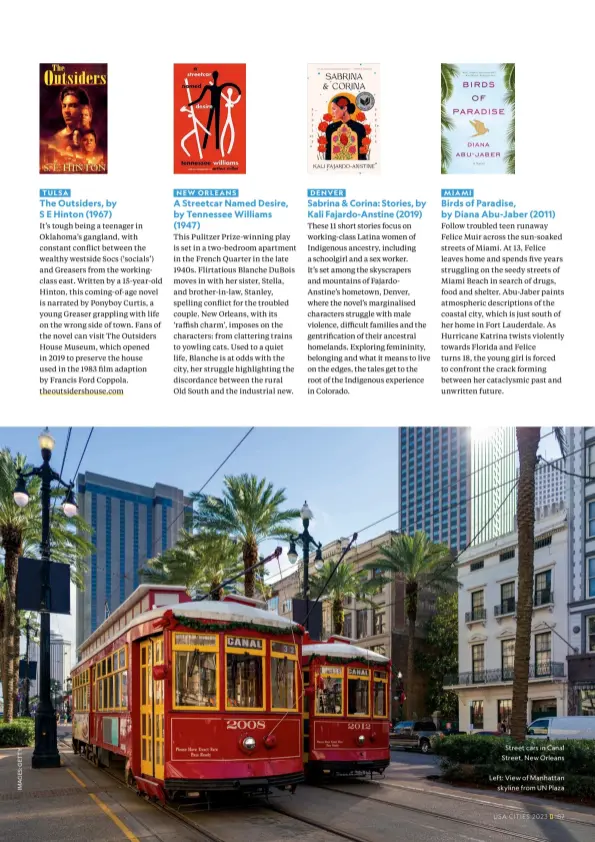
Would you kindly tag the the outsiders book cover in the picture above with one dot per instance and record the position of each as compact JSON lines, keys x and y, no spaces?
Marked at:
{"x":73,"y":119}
{"x":209,"y":118}
{"x":478,"y":114}
{"x":343,"y":117}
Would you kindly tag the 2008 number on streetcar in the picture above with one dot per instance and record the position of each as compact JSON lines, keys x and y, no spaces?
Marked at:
{"x":245,"y":724}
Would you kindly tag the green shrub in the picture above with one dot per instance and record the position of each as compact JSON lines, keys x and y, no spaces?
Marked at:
{"x":498,"y":761}
{"x":19,"y":732}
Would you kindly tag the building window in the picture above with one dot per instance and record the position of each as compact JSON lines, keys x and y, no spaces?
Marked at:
{"x":379,"y":621}
{"x":504,"y":713}
{"x":380,"y":649}
{"x":477,"y":714}
{"x":591,"y":634}
{"x":476,"y":565}
{"x":477,"y":606}
{"x":507,"y":660}
{"x":274,"y":604}
{"x":591,"y":576}
{"x":543,"y":707}
{"x":507,"y":600}
{"x":477,"y":660}
{"x":591,"y":461}
{"x":362,"y":623}
{"x":591,"y":519}
{"x":586,"y":701}
{"x":505,"y":556}
{"x":543,"y":588}
{"x":286,"y":606}
{"x":347,"y":630}
{"x":543,"y":654}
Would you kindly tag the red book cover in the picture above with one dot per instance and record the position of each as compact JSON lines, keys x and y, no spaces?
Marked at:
{"x":73,"y":119}
{"x":209,"y":118}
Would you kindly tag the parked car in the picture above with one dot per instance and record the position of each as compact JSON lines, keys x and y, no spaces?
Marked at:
{"x":489,"y":734}
{"x":413,"y":734}
{"x":563,"y":728}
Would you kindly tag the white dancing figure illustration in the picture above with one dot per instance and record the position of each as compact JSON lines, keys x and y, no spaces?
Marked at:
{"x":229,"y":104}
{"x":195,"y":125}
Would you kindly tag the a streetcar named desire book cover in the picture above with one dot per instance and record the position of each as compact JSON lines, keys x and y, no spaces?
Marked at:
{"x":478,"y":132}
{"x":73,"y":119}
{"x":343,"y":117}
{"x":209,"y":118}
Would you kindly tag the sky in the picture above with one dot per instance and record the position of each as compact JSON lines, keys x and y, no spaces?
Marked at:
{"x":349,"y":476}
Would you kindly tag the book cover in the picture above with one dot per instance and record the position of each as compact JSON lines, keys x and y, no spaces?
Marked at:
{"x":209,"y":118}
{"x":73,"y":119}
{"x":343,"y":117}
{"x":478,"y":111}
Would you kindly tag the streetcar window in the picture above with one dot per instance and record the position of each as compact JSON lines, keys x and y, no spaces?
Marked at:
{"x":196,"y":679}
{"x":329,"y":697}
{"x":117,"y":690}
{"x":379,"y":698}
{"x":122,"y":658}
{"x":124,"y":688}
{"x":244,"y":681}
{"x":283,"y":683}
{"x":357,"y":696}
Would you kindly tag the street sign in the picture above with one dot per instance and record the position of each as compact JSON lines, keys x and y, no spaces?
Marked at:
{"x":29,"y":586}
{"x":32,"y":669}
{"x":300,"y":608}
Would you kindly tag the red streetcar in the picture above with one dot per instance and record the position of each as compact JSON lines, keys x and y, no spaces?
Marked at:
{"x":346,"y":722}
{"x":196,"y":697}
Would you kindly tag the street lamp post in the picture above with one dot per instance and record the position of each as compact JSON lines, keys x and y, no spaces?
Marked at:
{"x":45,"y":753}
{"x":27,"y":630}
{"x":306,"y":541}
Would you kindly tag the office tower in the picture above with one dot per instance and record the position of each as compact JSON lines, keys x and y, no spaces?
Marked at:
{"x":455,"y":483}
{"x":130,"y":524}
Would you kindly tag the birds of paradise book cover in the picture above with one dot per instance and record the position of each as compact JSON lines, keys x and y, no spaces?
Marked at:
{"x":73,"y":119}
{"x":209,"y":118}
{"x":343,"y":119}
{"x":478,"y":119}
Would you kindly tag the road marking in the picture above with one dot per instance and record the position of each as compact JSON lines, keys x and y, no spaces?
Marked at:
{"x":103,"y":806}
{"x":118,"y":822}
{"x":77,"y":779}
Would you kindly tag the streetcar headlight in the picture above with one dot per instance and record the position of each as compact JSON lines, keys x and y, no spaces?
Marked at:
{"x":249,"y":743}
{"x":361,"y":739}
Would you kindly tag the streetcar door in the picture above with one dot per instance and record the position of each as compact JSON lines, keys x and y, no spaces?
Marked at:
{"x":151,"y":709}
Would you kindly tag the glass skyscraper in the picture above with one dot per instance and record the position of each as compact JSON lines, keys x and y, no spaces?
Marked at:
{"x":454,"y":481}
{"x":130,"y":524}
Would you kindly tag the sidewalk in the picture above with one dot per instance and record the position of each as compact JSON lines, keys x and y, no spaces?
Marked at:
{"x":74,"y":802}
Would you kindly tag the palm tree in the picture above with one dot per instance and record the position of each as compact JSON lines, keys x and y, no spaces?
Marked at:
{"x":249,"y":510}
{"x":423,"y":566}
{"x":509,"y":98}
{"x":20,"y":534}
{"x":201,"y":562}
{"x":448,"y":75}
{"x":528,"y":439}
{"x":338,"y":586}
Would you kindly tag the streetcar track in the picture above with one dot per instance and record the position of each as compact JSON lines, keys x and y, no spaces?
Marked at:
{"x":330,"y":829}
{"x":444,"y":816}
{"x":497,"y":805}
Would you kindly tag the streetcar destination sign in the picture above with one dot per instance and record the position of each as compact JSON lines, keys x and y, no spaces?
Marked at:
{"x":358,"y":671}
{"x":245,"y":642}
